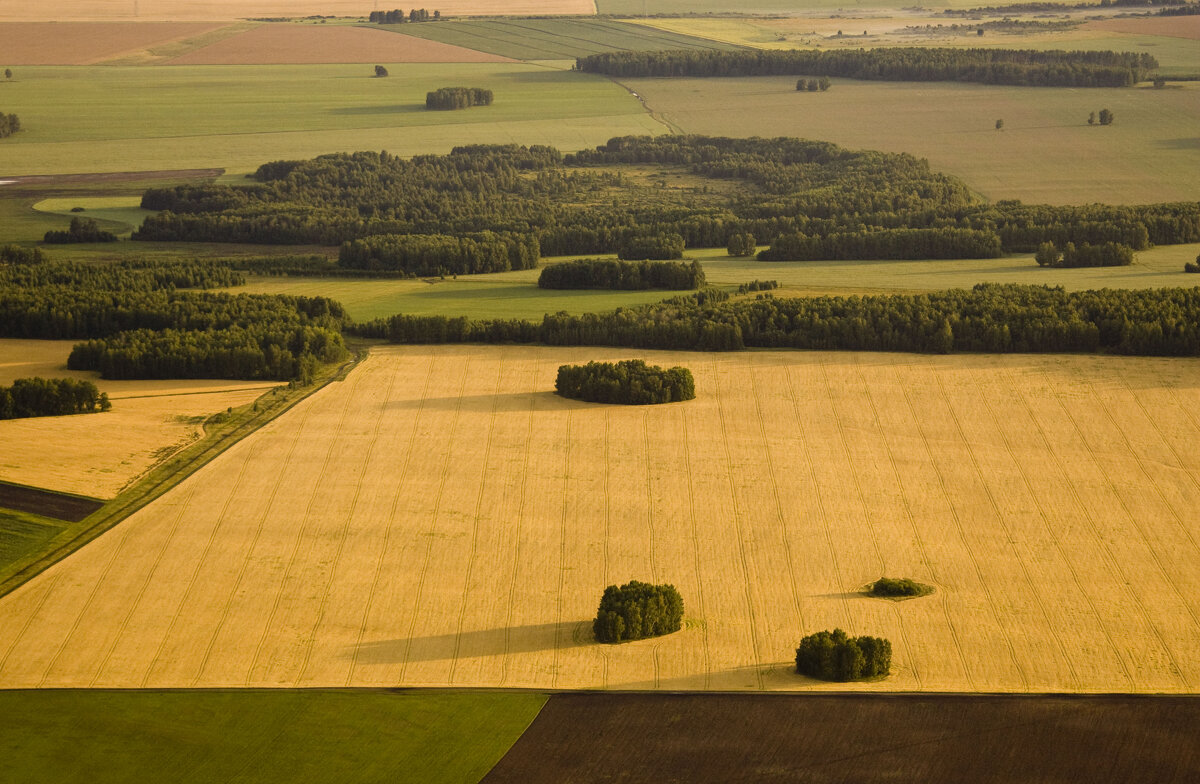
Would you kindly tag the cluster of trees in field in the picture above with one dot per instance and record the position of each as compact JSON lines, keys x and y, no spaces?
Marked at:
{"x":904,"y":64}
{"x":836,"y":656}
{"x":458,"y":98}
{"x":898,"y":587}
{"x":628,"y":382}
{"x":442,"y":254}
{"x":1192,"y":266}
{"x":397,"y":16}
{"x":622,"y":275}
{"x":757,"y":285}
{"x":17,"y":254}
{"x":38,"y":397}
{"x":741,"y":244}
{"x":1108,"y":254}
{"x":81,"y":230}
{"x":637,"y":610}
{"x":769,"y":188}
{"x":988,"y":318}
{"x":813,"y":85}
{"x":9,"y":123}
{"x":127,"y":275}
{"x":946,"y":243}
{"x":1106,"y":117}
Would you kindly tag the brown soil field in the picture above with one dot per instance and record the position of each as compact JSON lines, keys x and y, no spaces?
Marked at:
{"x":179,"y":10}
{"x":1170,"y":26}
{"x":440,"y":518}
{"x":97,"y":455}
{"x":47,"y":504}
{"x":286,"y":44}
{"x":67,"y":43}
{"x":809,"y":739}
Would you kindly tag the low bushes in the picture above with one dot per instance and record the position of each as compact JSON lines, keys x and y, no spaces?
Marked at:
{"x":637,"y":610}
{"x":631,"y":382}
{"x":893,"y":588}
{"x":835,"y":656}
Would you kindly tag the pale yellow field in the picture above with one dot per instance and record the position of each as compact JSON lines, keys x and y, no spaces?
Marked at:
{"x":99,"y":454}
{"x":440,"y":518}
{"x":186,"y":10}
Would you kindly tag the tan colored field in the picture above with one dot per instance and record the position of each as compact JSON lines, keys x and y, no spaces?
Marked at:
{"x":66,"y":43}
{"x":1172,"y":27}
{"x":441,"y":518}
{"x":284,"y":44}
{"x":178,"y":10}
{"x":99,"y":454}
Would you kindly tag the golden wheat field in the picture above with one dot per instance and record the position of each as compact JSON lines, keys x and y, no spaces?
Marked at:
{"x":99,"y":454}
{"x":441,"y":518}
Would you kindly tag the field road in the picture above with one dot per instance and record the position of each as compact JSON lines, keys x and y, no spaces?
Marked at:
{"x":441,"y":518}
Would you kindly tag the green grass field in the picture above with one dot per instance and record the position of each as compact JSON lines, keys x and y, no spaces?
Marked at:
{"x":23,"y":534}
{"x":118,"y":214}
{"x":516,"y":295}
{"x":554,"y":39}
{"x":287,"y":736}
{"x":1046,"y":153}
{"x":83,"y":119}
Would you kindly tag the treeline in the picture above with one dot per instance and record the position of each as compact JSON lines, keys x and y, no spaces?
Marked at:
{"x":1024,"y":67}
{"x":637,"y":610}
{"x":622,"y":275}
{"x":629,"y":382}
{"x":1057,"y":8}
{"x":1110,"y":254}
{"x":442,"y":254}
{"x":128,"y":275}
{"x":887,"y":244}
{"x":397,"y":16}
{"x":988,"y":318}
{"x":81,"y":230}
{"x":9,"y":124}
{"x":38,"y":397}
{"x":836,"y":656}
{"x":17,"y":254}
{"x":458,"y":98}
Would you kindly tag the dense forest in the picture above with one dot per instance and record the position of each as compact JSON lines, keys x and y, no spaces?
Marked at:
{"x":836,"y":656}
{"x":988,"y":318}
{"x":442,"y":254}
{"x":622,"y":275}
{"x":637,"y":610}
{"x":1025,"y":67}
{"x":38,"y":397}
{"x":629,"y":382}
{"x":807,"y":197}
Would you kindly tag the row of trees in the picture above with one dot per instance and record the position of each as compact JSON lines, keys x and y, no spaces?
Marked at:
{"x":81,"y":230}
{"x":458,"y":98}
{"x":836,"y":656}
{"x":1108,"y":254}
{"x":9,"y":123}
{"x":442,"y":254}
{"x":127,"y":275}
{"x":908,"y":64}
{"x":37,"y":397}
{"x":988,"y":318}
{"x":397,"y":16}
{"x":629,"y":382}
{"x":622,"y":275}
{"x":637,"y":610}
{"x":886,"y":244}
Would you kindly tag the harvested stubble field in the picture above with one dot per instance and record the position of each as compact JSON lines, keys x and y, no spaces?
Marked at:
{"x":285,"y":44}
{"x":176,"y":10}
{"x":99,"y":454}
{"x":67,"y":43}
{"x":441,"y":518}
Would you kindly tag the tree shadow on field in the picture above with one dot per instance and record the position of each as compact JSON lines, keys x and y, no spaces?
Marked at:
{"x":504,"y":402}
{"x":1180,"y":144}
{"x":406,"y":108}
{"x":486,"y":642}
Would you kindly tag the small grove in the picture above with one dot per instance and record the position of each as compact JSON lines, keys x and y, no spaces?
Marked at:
{"x":9,"y":124}
{"x":622,"y":275}
{"x":630,"y":382}
{"x":449,"y":98}
{"x":38,"y":397}
{"x":637,"y":610}
{"x":836,"y":656}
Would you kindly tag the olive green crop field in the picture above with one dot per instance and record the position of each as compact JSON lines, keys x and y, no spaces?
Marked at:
{"x":516,"y":295}
{"x":554,"y":39}
{"x":97,"y":737}
{"x":114,"y":119}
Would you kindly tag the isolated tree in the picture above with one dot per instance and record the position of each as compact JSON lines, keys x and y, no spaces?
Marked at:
{"x":1159,"y":83}
{"x":1092,"y":118}
{"x":979,"y":32}
{"x":999,"y":125}
{"x":824,"y":83}
{"x":380,"y":71}
{"x":1106,"y":117}
{"x":8,"y":73}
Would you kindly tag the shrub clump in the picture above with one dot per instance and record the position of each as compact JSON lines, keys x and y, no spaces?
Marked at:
{"x":631,"y":382}
{"x":891,"y":588}
{"x":835,"y":656}
{"x":637,"y":610}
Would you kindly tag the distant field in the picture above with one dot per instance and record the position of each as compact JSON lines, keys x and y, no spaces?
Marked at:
{"x":65,"y":43}
{"x":144,"y":10}
{"x":238,"y":117}
{"x":441,"y":518}
{"x":98,"y":454}
{"x":291,"y":737}
{"x":554,"y":39}
{"x":1046,"y":153}
{"x":516,"y":295}
{"x":1173,"y":27}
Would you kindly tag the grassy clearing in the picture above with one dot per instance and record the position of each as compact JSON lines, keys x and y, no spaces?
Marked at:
{"x":516,"y":295}
{"x":261,"y":736}
{"x":118,"y":214}
{"x":1047,"y":153}
{"x":238,"y":117}
{"x":554,"y":39}
{"x":440,"y":517}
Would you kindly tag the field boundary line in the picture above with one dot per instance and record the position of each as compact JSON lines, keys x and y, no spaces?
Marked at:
{"x":671,"y":127}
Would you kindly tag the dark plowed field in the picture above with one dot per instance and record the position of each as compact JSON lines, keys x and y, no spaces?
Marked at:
{"x":855,"y":738}
{"x":47,"y":504}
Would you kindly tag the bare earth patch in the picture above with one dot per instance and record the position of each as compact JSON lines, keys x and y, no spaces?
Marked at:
{"x":178,"y":10}
{"x":288,"y":44}
{"x":1170,"y":26}
{"x":441,"y":518}
{"x":69,"y":43}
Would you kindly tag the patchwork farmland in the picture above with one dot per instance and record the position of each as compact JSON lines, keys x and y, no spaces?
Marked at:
{"x":440,"y":518}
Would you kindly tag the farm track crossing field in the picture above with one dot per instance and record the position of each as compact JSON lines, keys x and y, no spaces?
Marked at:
{"x":59,"y":43}
{"x":176,"y":10}
{"x":555,"y":39}
{"x":440,"y":518}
